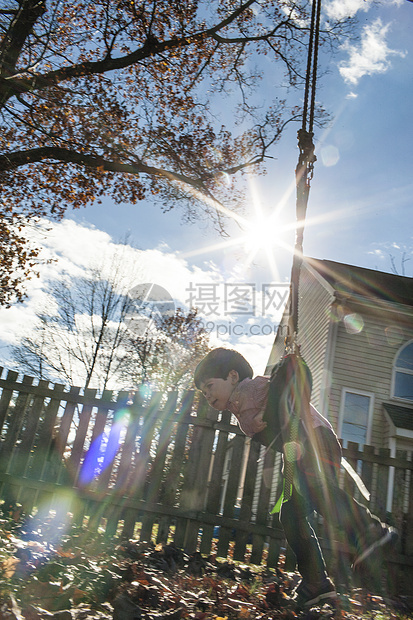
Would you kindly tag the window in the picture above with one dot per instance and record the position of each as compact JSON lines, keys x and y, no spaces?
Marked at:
{"x":356,"y":412}
{"x":403,"y":373}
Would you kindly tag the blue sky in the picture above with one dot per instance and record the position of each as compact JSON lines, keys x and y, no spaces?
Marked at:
{"x":359,"y":212}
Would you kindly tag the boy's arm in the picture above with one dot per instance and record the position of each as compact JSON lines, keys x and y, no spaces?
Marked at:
{"x":251,"y":421}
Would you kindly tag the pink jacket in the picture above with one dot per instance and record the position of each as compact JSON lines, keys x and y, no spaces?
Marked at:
{"x":247,"y":403}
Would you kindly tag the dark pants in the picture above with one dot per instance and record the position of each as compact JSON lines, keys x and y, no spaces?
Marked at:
{"x":316,"y":488}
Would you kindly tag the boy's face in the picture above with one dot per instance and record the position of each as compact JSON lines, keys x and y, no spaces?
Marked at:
{"x":217,"y":391}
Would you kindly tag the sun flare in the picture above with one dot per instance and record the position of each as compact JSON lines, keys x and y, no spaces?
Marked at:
{"x":259,"y":238}
{"x":258,"y":235}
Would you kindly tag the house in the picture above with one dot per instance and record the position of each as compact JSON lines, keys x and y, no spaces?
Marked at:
{"x":355,"y":330}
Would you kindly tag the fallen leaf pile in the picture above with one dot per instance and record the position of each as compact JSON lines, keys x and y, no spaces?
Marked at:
{"x":88,"y":576}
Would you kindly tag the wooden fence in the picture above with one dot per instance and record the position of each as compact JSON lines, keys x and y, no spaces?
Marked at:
{"x":166,"y":467}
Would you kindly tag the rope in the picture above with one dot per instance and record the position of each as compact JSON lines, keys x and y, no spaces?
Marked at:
{"x":304,"y":170}
{"x":304,"y":174}
{"x":315,"y":61}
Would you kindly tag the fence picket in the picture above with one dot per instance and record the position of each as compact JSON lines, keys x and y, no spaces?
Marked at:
{"x":11,"y":491}
{"x":195,"y":487}
{"x":63,"y":438}
{"x":213,"y":501}
{"x":177,"y":468}
{"x":367,"y":471}
{"x":400,"y":498}
{"x":22,"y":452}
{"x":230,"y":499}
{"x":382,"y":484}
{"x":76,"y":454}
{"x":43,"y":464}
{"x":15,"y":421}
{"x":113,"y":441}
{"x":408,"y":548}
{"x":258,"y":540}
{"x":123,"y":480}
{"x":147,"y":458}
{"x":66,"y":421}
{"x":241,"y":536}
{"x":6,"y":395}
{"x":166,"y":430}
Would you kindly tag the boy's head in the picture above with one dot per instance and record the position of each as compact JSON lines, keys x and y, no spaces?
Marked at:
{"x":219,"y":373}
{"x":218,"y":363}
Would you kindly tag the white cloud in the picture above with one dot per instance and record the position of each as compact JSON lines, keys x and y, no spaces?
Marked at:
{"x":371,"y":56}
{"x":396,"y":255}
{"x":75,"y":247}
{"x":256,"y":351}
{"x":339,"y":9}
{"x":377,"y":252}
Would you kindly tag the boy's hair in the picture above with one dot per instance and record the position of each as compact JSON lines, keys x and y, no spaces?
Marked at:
{"x":218,"y":363}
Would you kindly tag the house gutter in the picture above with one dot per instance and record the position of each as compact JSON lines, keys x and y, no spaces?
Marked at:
{"x":377,"y":306}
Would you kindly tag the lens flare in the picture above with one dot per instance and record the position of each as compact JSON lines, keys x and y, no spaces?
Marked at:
{"x":51,"y":524}
{"x":353,"y":323}
{"x":394,"y":335}
{"x":103,"y":449}
{"x":330,"y":155}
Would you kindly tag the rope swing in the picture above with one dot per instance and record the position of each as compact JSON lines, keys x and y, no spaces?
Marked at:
{"x":288,"y":404}
{"x":304,"y":171}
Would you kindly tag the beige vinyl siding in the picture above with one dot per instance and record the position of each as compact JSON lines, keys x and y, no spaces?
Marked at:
{"x":313,"y":327}
{"x":364,"y":362}
{"x":338,"y":359}
{"x":278,"y":348}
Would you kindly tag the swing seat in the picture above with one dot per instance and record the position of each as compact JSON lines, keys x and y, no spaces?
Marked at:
{"x":288,"y":396}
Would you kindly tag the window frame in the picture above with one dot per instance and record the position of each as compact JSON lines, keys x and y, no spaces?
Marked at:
{"x":371,"y":396}
{"x":403,"y":371}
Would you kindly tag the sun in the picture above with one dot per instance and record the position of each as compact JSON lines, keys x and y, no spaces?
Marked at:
{"x":265,"y":234}
{"x":259,"y":235}
{"x":258,"y":238}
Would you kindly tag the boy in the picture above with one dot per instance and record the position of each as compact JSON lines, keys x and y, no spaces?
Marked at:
{"x":224,"y":377}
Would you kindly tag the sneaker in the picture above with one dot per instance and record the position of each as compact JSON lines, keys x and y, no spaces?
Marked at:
{"x":310,"y":594}
{"x":376,"y":538}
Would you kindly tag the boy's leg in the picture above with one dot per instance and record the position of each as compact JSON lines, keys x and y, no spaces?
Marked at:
{"x":315,"y":586}
{"x":340,"y":509}
{"x":302,"y":539}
